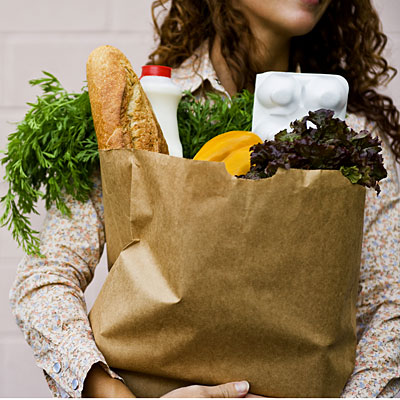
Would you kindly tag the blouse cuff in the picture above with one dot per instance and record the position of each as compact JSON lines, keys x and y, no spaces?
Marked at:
{"x":67,"y":366}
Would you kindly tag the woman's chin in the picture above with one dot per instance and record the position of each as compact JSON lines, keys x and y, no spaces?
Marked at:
{"x":301,"y":25}
{"x":302,"y":19}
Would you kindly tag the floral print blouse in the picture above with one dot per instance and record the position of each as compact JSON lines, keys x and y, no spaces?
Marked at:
{"x":48,"y":302}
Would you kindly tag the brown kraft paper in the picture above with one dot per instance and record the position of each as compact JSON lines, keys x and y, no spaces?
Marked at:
{"x":217,"y":279}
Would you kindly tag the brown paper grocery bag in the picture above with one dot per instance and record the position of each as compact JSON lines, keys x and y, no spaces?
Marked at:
{"x":217,"y":279}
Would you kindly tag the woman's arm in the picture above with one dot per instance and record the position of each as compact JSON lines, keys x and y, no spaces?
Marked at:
{"x":378,"y":317}
{"x":47,"y":295}
{"x":99,"y":383}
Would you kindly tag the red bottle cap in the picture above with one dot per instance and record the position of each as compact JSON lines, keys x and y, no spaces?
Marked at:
{"x":156,"y":70}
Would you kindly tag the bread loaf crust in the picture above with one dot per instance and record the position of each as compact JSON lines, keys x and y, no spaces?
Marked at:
{"x":122,"y":114}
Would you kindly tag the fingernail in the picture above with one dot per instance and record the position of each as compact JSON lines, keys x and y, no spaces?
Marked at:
{"x":242,"y":387}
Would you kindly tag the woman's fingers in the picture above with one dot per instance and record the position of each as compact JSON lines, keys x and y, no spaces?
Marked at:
{"x":237,"y":389}
{"x":232,"y":389}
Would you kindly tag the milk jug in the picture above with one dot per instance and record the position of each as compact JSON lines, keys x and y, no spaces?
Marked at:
{"x":164,"y":97}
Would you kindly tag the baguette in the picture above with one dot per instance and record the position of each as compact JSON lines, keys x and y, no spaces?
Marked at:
{"x":122,"y":114}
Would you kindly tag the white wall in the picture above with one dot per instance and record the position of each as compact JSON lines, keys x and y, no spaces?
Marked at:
{"x":58,"y":36}
{"x":389,"y":11}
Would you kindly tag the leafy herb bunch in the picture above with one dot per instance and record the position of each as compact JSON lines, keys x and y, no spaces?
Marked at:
{"x":320,"y":141}
{"x":201,"y":120}
{"x":52,"y":152}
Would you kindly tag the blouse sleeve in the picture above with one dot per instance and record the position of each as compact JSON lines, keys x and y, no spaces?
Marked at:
{"x":377,"y":370}
{"x":47,"y":295}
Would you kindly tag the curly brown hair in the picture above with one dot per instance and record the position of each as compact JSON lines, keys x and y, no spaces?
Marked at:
{"x":348,"y":41}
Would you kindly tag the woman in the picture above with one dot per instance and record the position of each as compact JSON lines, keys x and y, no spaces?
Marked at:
{"x":220,"y":45}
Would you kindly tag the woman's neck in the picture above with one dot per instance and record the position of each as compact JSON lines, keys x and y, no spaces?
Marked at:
{"x":221,"y":67}
{"x":271,"y":54}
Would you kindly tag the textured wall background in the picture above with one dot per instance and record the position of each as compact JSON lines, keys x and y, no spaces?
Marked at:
{"x":57,"y":36}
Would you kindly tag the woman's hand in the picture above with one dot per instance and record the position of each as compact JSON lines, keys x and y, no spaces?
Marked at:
{"x":232,"y":389}
{"x":99,"y":384}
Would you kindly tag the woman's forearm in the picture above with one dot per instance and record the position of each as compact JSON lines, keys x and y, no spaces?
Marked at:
{"x":99,"y":384}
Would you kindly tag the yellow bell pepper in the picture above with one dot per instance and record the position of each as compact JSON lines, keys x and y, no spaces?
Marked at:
{"x":232,"y":148}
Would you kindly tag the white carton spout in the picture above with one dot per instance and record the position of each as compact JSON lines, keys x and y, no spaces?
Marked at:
{"x":282,"y":97}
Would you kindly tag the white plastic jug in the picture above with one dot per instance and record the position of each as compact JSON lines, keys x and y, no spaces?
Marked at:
{"x":164,"y":97}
